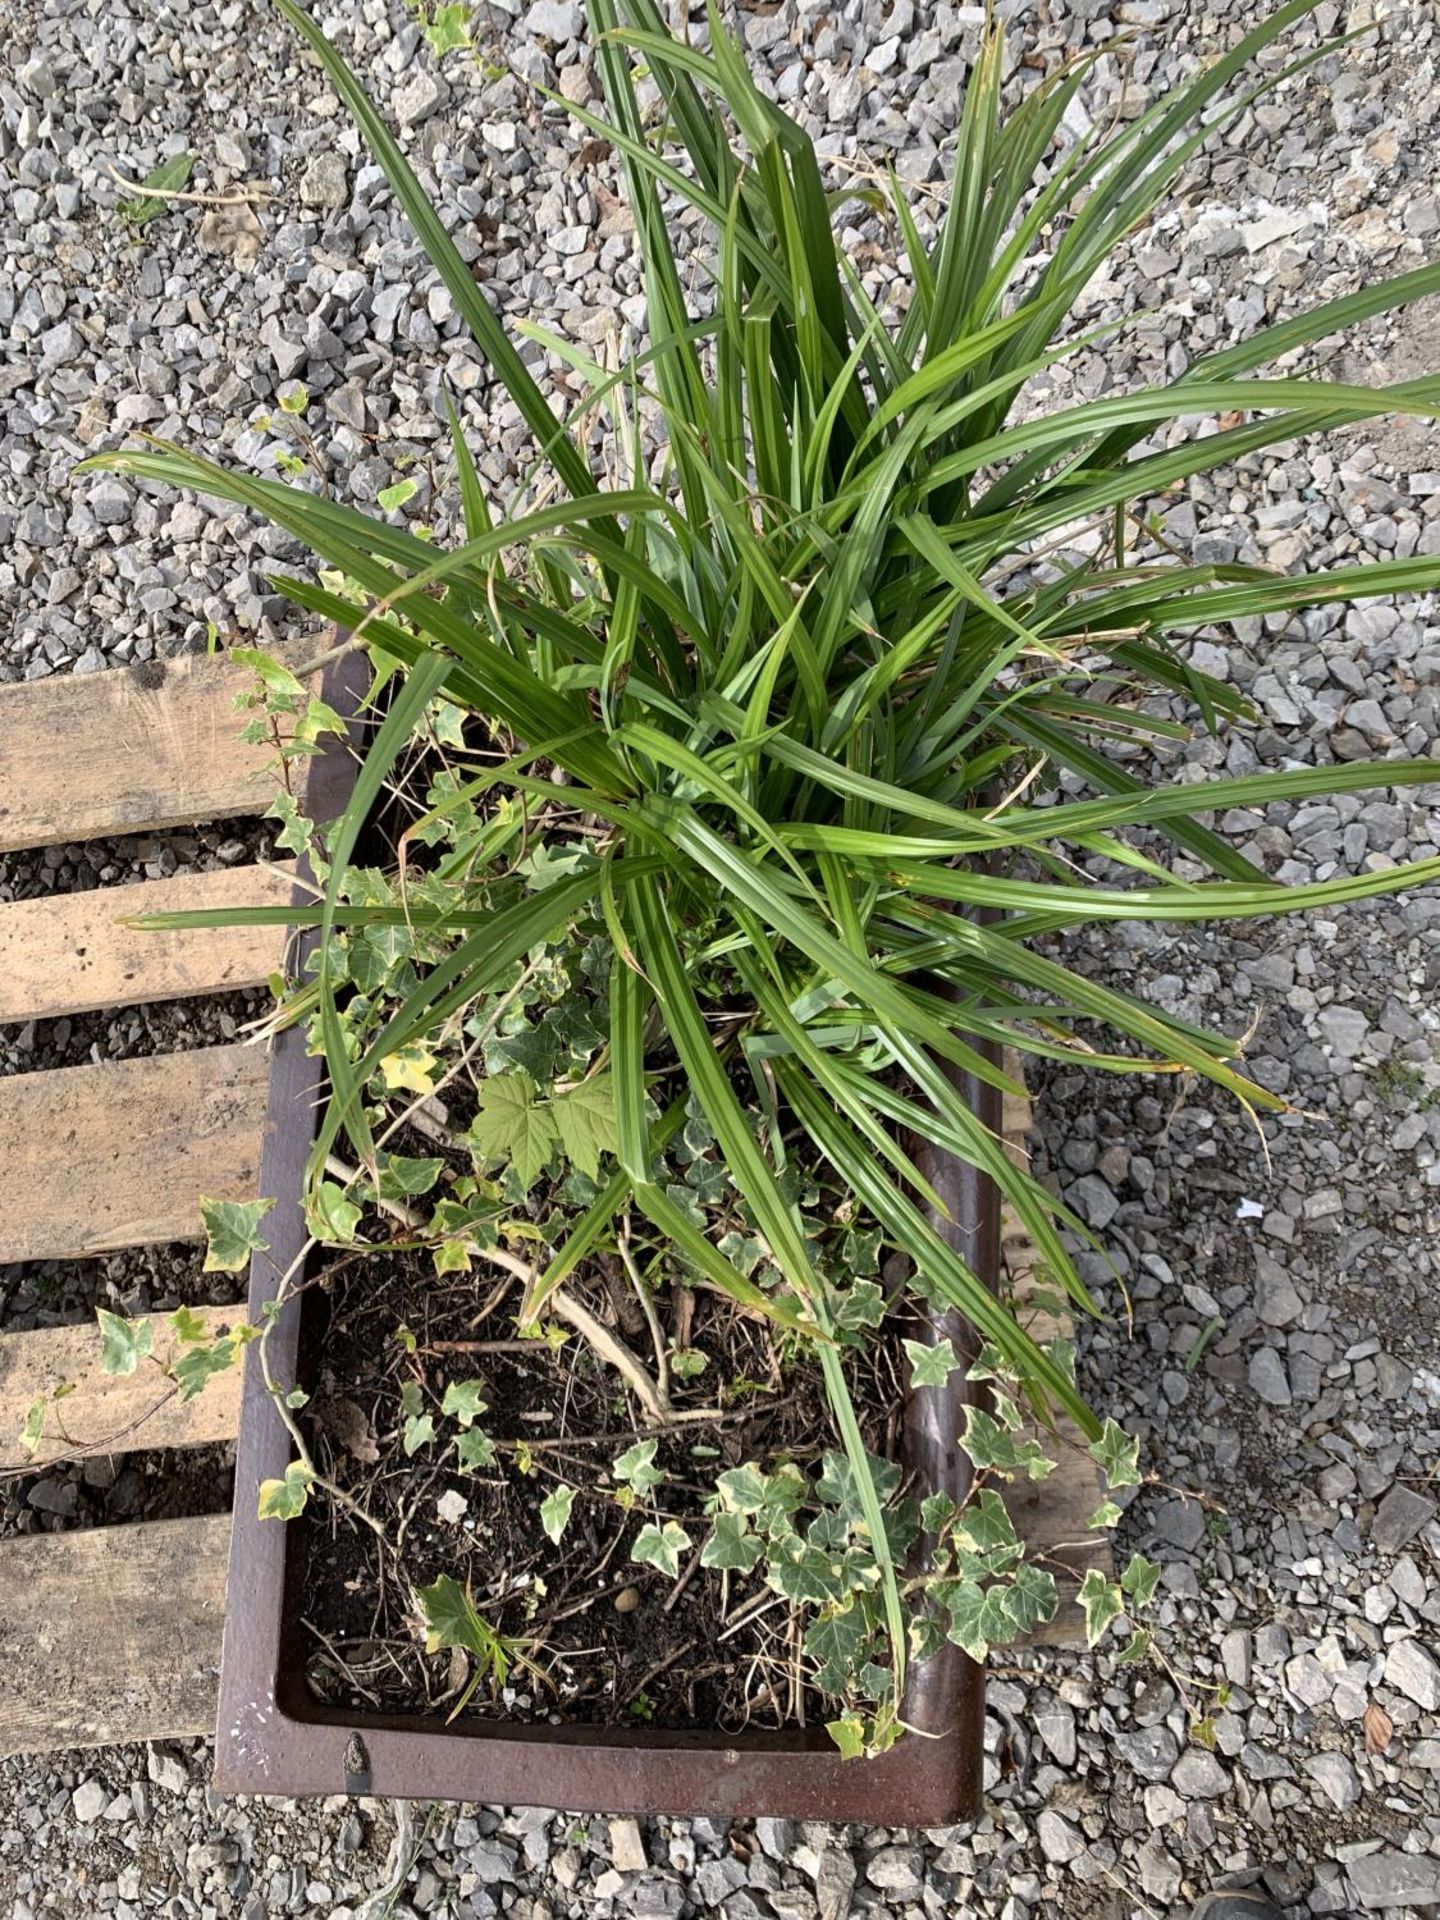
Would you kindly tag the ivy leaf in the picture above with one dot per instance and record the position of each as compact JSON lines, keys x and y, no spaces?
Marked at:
{"x":555,"y":1512}
{"x":273,"y":674}
{"x":330,"y":1215}
{"x":731,"y":1545}
{"x":197,"y":1366}
{"x":32,"y":1432}
{"x":1031,"y":1598}
{"x":832,"y":1642}
{"x":810,"y":1575}
{"x":1134,"y":1649}
{"x":993,"y":1449}
{"x":451,"y":1620}
{"x":636,"y":1467}
{"x":531,"y":1049}
{"x":512,"y":1124}
{"x":978,"y":1617}
{"x":661,"y":1547}
{"x":410,"y":1069}
{"x":930,"y":1366}
{"x":1102,"y":1603}
{"x":985,"y":1524}
{"x":123,"y":1343}
{"x":402,"y":1178}
{"x":848,"y":1733}
{"x":447,"y":29}
{"x":232,"y":1233}
{"x":419,"y":1432}
{"x":475,"y":1449}
{"x":743,"y":1489}
{"x":391,"y":499}
{"x":1107,"y":1514}
{"x":862,"y":1304}
{"x":285,"y":1499}
{"x":187,"y":1326}
{"x":937,"y":1510}
{"x":1139,"y":1580}
{"x":295,"y":829}
{"x":464,"y":1401}
{"x":836,"y":1484}
{"x":585,"y":1121}
{"x":1118,"y":1455}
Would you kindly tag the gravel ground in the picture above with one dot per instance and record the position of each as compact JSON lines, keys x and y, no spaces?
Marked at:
{"x":1282,"y":1360}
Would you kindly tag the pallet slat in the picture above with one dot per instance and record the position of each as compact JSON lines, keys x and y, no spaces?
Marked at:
{"x":117,"y":1155}
{"x":105,"y":1412}
{"x":85,"y":756}
{"x":112,"y":1634}
{"x":68,"y":953}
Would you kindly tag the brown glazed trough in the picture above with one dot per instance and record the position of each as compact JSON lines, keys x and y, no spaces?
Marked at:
{"x":275,"y":1736}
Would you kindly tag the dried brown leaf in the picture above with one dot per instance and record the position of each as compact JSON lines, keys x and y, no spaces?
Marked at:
{"x":1379,"y":1728}
{"x":347,"y":1425}
{"x":235,"y":230}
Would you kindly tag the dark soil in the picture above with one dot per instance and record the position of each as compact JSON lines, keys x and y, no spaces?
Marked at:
{"x":619,"y":1643}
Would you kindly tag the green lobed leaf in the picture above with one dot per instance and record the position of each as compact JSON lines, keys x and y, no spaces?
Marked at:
{"x":555,"y":1512}
{"x":661,"y":1547}
{"x":931,"y":1362}
{"x":1101,"y":1601}
{"x":285,"y":1499}
{"x":232,"y":1232}
{"x":123,"y":1343}
{"x":731,"y":1546}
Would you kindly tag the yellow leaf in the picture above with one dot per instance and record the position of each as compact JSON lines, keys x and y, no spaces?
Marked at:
{"x":411,"y":1070}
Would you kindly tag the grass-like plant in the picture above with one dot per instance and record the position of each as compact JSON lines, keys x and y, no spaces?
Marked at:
{"x":813,"y":675}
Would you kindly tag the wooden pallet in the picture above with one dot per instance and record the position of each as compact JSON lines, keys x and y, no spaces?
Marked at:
{"x":113,"y":1634}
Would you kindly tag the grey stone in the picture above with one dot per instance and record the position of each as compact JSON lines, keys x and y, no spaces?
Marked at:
{"x":1308,"y":1681}
{"x":1384,"y":1880}
{"x":556,"y":20}
{"x":1398,"y":1518}
{"x":325,"y":182}
{"x":1412,"y":1670}
{"x":1159,"y":1873}
{"x":834,"y":1884}
{"x":1235,"y":1657}
{"x":111,"y":502}
{"x":718,"y":1879}
{"x":898,"y":1870}
{"x":1198,"y":1775}
{"x":1335,"y":1777}
{"x":1055,"y":1725}
{"x":1346,"y":1029}
{"x":1059,"y":1842}
{"x":1151,"y":1751}
{"x":1276,"y":1300}
{"x":776,"y":1837}
{"x":1093,"y":1201}
{"x":419,"y":97}
{"x":89,"y":1801}
{"x":167,"y":1770}
{"x":1180,"y":1523}
{"x":60,"y":1497}
{"x":1268,"y":1378}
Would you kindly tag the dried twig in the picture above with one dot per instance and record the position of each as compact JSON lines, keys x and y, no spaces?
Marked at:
{"x":246,"y":196}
